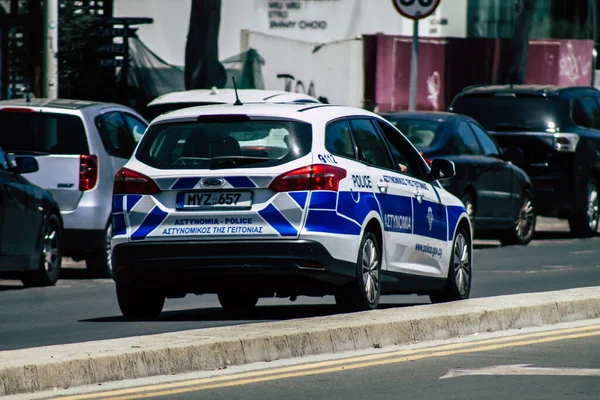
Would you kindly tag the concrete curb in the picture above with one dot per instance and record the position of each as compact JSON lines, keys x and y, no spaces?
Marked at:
{"x":64,"y":366}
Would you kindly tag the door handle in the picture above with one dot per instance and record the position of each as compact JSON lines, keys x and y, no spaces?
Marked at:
{"x":419,"y":195}
{"x":383,"y":187}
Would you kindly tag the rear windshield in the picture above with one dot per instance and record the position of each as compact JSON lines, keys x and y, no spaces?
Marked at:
{"x":223,"y":143}
{"x":155,"y":110}
{"x":508,"y":113}
{"x":42,"y":133}
{"x":422,"y":133}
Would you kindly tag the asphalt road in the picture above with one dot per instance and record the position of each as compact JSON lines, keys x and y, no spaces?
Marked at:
{"x":563,"y":369}
{"x":79,"y":309}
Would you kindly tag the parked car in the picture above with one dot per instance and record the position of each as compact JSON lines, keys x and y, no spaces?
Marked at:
{"x":79,"y":146}
{"x":31,"y":227}
{"x":497,"y":194}
{"x":324,"y":209}
{"x":558,"y":129}
{"x":200,"y":97}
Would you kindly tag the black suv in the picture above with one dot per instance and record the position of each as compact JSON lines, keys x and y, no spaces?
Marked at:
{"x":558,"y":130}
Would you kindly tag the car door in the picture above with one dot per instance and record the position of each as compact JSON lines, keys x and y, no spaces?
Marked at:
{"x":429,"y":236}
{"x":20,"y":219}
{"x":504,"y":200}
{"x":393,"y":197}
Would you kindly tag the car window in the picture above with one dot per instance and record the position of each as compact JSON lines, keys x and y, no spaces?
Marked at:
{"x":370,"y":145}
{"x":116,"y":137}
{"x":489,"y":146}
{"x":4,"y":163}
{"x":338,"y":139}
{"x":42,"y":132}
{"x":422,"y":133}
{"x":463,"y":141}
{"x":405,"y":156}
{"x":224,"y":143}
{"x":585,"y":112}
{"x":136,"y":126}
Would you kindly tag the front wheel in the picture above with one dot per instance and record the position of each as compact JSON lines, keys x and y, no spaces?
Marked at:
{"x":458,"y":283}
{"x":522,"y":232}
{"x":139,"y":303}
{"x":50,"y":256}
{"x":363,"y":294}
{"x":584,"y":222}
{"x":99,"y":262}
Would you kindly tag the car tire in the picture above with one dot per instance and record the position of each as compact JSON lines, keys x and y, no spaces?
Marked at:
{"x":363,"y":294}
{"x":139,"y":304}
{"x":50,"y":255}
{"x":237,"y":301}
{"x":524,"y":229}
{"x":585,"y":222}
{"x":458,"y":283}
{"x":98,"y":263}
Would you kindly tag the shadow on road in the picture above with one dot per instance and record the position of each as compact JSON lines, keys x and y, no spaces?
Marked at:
{"x":260,"y":313}
{"x":4,"y":288}
{"x":74,"y":273}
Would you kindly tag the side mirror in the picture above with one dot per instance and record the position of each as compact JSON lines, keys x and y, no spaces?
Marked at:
{"x":514,"y":155}
{"x":441,"y":169}
{"x":26,"y":165}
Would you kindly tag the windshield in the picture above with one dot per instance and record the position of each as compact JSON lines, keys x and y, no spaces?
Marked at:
{"x":42,"y":133}
{"x":224,"y":144}
{"x":422,"y":133}
{"x":508,"y":113}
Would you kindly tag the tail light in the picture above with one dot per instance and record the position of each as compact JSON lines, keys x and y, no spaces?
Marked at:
{"x":132,"y":182}
{"x":564,"y":142}
{"x":427,"y":160}
{"x":16,"y":109}
{"x":313,"y":177}
{"x":88,"y":172}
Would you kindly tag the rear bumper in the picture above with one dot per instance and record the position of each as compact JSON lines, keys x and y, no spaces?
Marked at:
{"x":294,"y":267}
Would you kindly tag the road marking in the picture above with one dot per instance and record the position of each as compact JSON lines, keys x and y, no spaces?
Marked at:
{"x":340,"y":365}
{"x":522,"y":369}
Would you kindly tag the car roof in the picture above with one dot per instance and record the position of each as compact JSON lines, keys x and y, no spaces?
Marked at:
{"x":65,"y":104}
{"x":228,"y":96}
{"x":429,"y":115}
{"x":303,"y":112}
{"x":524,"y":89}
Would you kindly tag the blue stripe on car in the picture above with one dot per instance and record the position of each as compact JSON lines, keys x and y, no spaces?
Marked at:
{"x":454,"y":213}
{"x":357,"y":205}
{"x":117,"y":205}
{"x":132,"y":200}
{"x":323,"y":200}
{"x":150,"y":223}
{"x":186,"y":183}
{"x":118,"y":224}
{"x":274,"y":218}
{"x":299,"y":198}
{"x":326,"y":221}
{"x":396,"y":207}
{"x":239,"y":182}
{"x":430,"y":224}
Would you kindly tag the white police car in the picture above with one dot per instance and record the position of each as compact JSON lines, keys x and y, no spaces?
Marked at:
{"x":283,"y":200}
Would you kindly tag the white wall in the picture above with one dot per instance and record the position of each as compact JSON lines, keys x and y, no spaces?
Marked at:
{"x":338,"y":19}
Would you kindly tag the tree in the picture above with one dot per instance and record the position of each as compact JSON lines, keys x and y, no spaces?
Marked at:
{"x":520,"y":42}
{"x":202,"y":67}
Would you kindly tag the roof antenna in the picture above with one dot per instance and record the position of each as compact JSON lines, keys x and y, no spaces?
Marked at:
{"x":237,"y":98}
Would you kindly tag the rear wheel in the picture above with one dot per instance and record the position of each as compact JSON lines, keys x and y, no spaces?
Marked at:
{"x":99,"y":262}
{"x":237,"y":301}
{"x":522,"y":232}
{"x":584,"y":222}
{"x":50,"y":256}
{"x":458,"y":284}
{"x":139,"y":303}
{"x":363,"y":294}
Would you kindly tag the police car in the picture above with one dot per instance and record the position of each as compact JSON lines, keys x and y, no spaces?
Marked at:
{"x":263,"y":200}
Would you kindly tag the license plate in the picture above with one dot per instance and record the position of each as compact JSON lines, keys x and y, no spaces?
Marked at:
{"x":203,"y":200}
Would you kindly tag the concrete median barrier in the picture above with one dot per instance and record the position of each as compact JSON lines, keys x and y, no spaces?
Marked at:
{"x":63,"y":366}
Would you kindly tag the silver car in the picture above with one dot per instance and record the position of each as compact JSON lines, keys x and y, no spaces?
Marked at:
{"x":79,"y":147}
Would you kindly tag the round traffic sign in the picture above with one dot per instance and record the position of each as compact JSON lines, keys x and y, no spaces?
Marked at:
{"x":416,"y":9}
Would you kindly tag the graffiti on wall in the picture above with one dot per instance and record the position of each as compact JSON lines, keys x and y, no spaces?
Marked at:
{"x":293,"y":85}
{"x":573,"y":66}
{"x":433,"y":89}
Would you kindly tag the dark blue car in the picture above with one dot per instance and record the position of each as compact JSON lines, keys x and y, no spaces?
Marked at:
{"x":497,"y":194}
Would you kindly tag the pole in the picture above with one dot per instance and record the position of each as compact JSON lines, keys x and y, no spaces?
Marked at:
{"x":594,"y":14}
{"x":50,"y":49}
{"x":414,"y":62}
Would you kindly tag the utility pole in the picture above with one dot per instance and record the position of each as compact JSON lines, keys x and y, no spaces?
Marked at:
{"x":520,"y":42}
{"x":50,"y":50}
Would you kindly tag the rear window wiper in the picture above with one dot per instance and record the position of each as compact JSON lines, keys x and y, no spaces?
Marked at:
{"x":236,"y":161}
{"x":29,"y":152}
{"x":512,"y":127}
